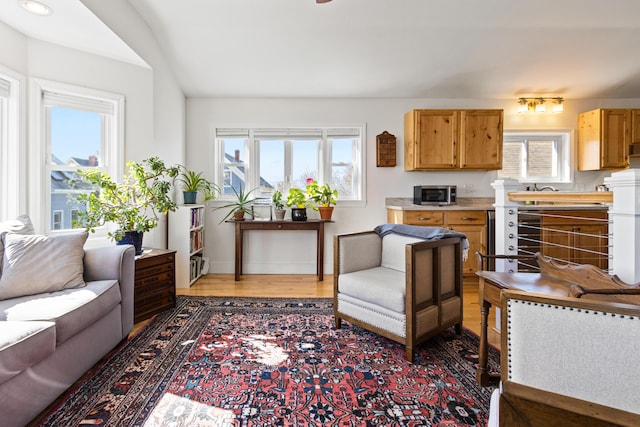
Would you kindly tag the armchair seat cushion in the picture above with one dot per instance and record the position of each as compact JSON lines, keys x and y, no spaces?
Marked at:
{"x":381,"y":286}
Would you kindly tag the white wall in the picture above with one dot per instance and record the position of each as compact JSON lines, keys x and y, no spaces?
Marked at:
{"x":293,"y":252}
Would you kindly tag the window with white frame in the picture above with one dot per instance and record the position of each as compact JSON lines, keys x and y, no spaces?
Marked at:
{"x":9,"y":146}
{"x":278,"y":159}
{"x":81,"y":129}
{"x":536,"y":156}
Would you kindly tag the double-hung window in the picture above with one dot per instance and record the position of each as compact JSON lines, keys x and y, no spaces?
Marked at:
{"x":269,"y":159}
{"x":540,"y":156}
{"x":80,"y":129}
{"x":9,"y":147}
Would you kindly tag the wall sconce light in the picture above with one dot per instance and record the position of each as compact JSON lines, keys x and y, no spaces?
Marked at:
{"x":538,"y":105}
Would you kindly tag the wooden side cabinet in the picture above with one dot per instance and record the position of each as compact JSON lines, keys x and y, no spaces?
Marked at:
{"x":453,"y":139}
{"x":154,"y":284}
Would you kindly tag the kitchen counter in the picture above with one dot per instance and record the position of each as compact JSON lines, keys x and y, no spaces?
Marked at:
{"x":486,"y":204}
{"x":464,"y":204}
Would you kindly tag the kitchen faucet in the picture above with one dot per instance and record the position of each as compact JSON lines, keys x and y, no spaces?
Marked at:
{"x":546,"y":187}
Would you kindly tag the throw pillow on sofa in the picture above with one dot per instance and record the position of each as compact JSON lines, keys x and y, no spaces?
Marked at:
{"x":20,"y":225}
{"x":36,"y":264}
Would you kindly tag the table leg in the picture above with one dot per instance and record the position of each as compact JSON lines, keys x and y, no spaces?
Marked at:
{"x":320,"y":249}
{"x":238,"y":266}
{"x":482,"y":376}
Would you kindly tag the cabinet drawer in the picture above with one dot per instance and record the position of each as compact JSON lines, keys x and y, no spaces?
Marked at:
{"x":152,"y":261}
{"x":423,"y":217}
{"x":155,"y":270}
{"x":572,"y":217}
{"x":165,"y":277}
{"x":466,"y":217}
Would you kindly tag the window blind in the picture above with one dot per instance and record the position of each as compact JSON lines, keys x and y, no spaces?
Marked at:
{"x":60,"y":100}
{"x":5,"y":88}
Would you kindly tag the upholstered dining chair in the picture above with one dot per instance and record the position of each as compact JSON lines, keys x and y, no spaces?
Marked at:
{"x":567,"y":362}
{"x":406,"y":287}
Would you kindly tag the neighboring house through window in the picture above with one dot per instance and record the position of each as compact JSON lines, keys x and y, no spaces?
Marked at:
{"x":277,"y":159}
{"x":536,"y":156}
{"x":80,"y":129}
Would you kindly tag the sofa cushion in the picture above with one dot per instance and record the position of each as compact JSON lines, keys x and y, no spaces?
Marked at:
{"x":380,"y":286}
{"x":36,"y":264}
{"x":72,"y":310}
{"x":393,"y":250}
{"x":20,"y":225}
{"x":23,"y":344}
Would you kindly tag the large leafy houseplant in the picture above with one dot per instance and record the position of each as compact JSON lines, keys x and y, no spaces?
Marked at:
{"x":134,"y":204}
{"x":192,"y":182}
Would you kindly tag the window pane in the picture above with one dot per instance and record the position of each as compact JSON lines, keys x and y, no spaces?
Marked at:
{"x":272,"y":168}
{"x":234,"y":166}
{"x":65,"y":188}
{"x":75,"y":137}
{"x":541,"y":158}
{"x":304,"y":162}
{"x":511,"y":160}
{"x":342,"y":166}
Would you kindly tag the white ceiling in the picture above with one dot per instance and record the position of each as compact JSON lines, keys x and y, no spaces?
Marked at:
{"x":376,"y":48}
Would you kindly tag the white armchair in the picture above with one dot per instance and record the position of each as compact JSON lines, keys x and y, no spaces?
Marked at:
{"x":404,"y":288}
{"x":567,"y":362}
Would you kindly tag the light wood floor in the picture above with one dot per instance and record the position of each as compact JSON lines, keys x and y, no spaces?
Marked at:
{"x":301,"y":286}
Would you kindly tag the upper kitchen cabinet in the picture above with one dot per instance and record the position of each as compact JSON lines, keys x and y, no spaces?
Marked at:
{"x":453,"y":139}
{"x":604,"y":137}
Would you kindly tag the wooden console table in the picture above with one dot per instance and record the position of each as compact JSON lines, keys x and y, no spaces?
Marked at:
{"x":554,"y":279}
{"x":311,"y":224}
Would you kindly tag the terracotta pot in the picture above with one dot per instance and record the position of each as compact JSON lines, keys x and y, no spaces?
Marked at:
{"x":325,"y":212}
{"x":238,"y":216}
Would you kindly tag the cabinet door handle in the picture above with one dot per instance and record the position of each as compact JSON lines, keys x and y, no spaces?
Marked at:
{"x":423,"y":218}
{"x":468,"y":218}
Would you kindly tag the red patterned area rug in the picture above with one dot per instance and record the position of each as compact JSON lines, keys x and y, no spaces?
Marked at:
{"x":275,"y":362}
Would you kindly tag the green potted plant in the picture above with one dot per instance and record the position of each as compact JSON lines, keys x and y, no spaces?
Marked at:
{"x":278,"y":205}
{"x":193,"y":182}
{"x":240,"y":206}
{"x":297,"y":199}
{"x":134,"y":204}
{"x":323,"y":197}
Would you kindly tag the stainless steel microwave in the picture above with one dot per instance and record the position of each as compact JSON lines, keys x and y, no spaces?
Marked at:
{"x":434,"y":194}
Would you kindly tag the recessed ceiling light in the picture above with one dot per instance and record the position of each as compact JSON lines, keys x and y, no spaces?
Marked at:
{"x":36,"y":7}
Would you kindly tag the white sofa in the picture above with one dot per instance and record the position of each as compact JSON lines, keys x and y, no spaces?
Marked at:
{"x":567,"y":362}
{"x":404,"y":288}
{"x":48,"y":340}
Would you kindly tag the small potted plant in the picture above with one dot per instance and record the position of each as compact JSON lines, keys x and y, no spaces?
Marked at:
{"x":193,"y":182}
{"x":242,"y":205}
{"x":323,"y":197}
{"x":278,"y":204}
{"x":134,"y":204}
{"x":297,"y":199}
